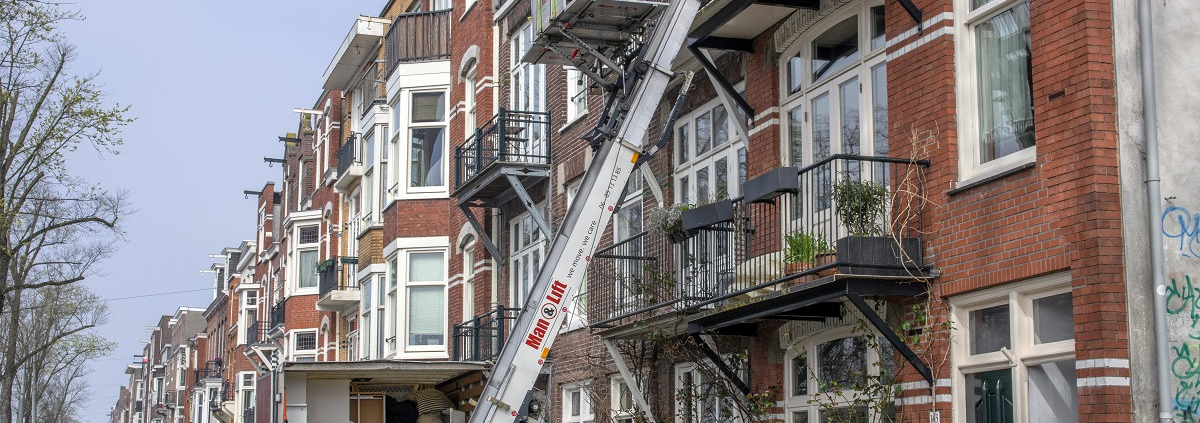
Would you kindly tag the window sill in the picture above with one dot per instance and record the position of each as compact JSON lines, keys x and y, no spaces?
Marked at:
{"x":468,"y":10}
{"x":571,"y":123}
{"x":1000,"y":173}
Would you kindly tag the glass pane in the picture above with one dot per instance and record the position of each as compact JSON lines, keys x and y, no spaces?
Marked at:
{"x":848,"y":117}
{"x":575,"y":403}
{"x":526,"y":230}
{"x":720,"y":125}
{"x":426,"y":157}
{"x":799,"y":417}
{"x":703,"y":133}
{"x":743,"y":169}
{"x":822,"y":185}
{"x":682,"y":142}
{"x":308,"y":269}
{"x":842,"y":363}
{"x":845,"y":415}
{"x":391,"y":275}
{"x":722,"y":174}
{"x":1053,"y":319}
{"x":425,"y":311}
{"x":799,"y":376}
{"x":878,"y":38}
{"x":425,"y":267}
{"x":989,"y":329}
{"x":1005,"y":84}
{"x":795,"y":74}
{"x":684,"y":191}
{"x":879,"y":113}
{"x":429,"y":107}
{"x":835,"y":49}
{"x":1053,"y":392}
{"x":702,"y":188}
{"x":989,"y":397}
{"x":796,"y":136}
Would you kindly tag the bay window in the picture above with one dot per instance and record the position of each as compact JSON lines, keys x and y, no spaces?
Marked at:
{"x":426,"y":300}
{"x":427,"y":146}
{"x":708,"y":154}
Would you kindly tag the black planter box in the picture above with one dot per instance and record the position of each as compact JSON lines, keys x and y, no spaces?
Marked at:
{"x":879,"y":256}
{"x":772,"y":184}
{"x":708,"y":215}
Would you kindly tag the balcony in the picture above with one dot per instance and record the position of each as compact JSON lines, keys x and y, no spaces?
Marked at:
{"x":257,"y":333}
{"x":349,"y":163}
{"x":224,"y":395}
{"x":211,"y":372}
{"x":502,"y":161}
{"x":336,"y":291}
{"x":371,"y":89}
{"x":481,"y":338}
{"x":358,"y":47}
{"x":278,"y":314}
{"x":418,"y":37}
{"x":510,"y":143}
{"x":248,"y":415}
{"x":791,"y":233}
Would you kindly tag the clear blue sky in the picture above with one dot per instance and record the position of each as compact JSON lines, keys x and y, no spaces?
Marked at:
{"x":212,"y":84}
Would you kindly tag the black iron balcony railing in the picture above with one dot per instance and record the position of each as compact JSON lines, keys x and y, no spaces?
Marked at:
{"x":258,"y":332}
{"x":481,"y":338}
{"x":328,"y":278}
{"x":278,"y":313}
{"x":371,"y":88}
{"x":814,"y":225}
{"x":248,"y":415}
{"x":416,"y":37}
{"x":211,"y":370}
{"x":348,"y":154}
{"x":224,"y":394}
{"x":510,"y":136}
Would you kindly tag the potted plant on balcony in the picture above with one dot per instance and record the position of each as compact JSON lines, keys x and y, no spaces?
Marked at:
{"x":805,"y":250}
{"x":670,"y":221}
{"x":862,"y":207}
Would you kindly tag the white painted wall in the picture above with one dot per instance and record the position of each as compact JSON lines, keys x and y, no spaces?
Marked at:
{"x":328,"y":401}
{"x":1177,"y":50}
{"x":295,"y":385}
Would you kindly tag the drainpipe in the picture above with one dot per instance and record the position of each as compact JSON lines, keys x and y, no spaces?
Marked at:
{"x":1154,"y":208}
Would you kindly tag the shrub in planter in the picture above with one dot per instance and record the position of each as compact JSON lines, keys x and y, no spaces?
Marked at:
{"x":861,"y":206}
{"x":862,"y":210}
{"x":670,"y":221}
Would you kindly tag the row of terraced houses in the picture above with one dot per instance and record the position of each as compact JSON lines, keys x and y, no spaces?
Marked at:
{"x":863,"y":211}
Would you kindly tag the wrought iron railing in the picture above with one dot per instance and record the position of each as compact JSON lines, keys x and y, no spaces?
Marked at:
{"x":348,"y":154}
{"x":256,"y":332}
{"x":764,"y":243}
{"x":211,"y":370}
{"x":329,"y":277}
{"x":224,"y":394}
{"x":248,"y":415}
{"x":279,"y":313}
{"x":481,"y":338}
{"x":510,"y":136}
{"x":416,"y":37}
{"x":371,"y":88}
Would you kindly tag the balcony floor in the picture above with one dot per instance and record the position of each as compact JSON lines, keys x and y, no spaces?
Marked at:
{"x":491,"y":185}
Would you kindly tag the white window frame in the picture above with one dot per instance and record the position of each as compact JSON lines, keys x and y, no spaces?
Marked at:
{"x":468,"y":278}
{"x":242,"y":388}
{"x":724,"y":406}
{"x":531,"y":98}
{"x":294,"y":343}
{"x":402,"y":248}
{"x":313,"y":247}
{"x":366,"y":323}
{"x":390,"y":307}
{"x":616,"y":389}
{"x":811,"y":403}
{"x":407,"y":126}
{"x":686,"y":188}
{"x":470,"y":105}
{"x":586,"y":411}
{"x":577,"y":94}
{"x":535,"y":249}
{"x":1024,"y":352}
{"x":969,"y":168}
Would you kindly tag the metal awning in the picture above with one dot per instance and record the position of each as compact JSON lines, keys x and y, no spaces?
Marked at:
{"x":400,"y":372}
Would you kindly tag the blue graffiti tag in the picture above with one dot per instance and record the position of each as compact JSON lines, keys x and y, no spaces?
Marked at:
{"x":1180,"y":223}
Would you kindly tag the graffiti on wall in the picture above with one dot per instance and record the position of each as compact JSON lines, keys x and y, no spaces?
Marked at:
{"x":1183,"y":302}
{"x":1182,"y":229}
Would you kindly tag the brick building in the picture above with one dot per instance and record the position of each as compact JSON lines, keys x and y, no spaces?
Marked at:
{"x":864,"y":210}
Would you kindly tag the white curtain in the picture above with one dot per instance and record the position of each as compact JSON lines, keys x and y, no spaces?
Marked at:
{"x":1005,"y":84}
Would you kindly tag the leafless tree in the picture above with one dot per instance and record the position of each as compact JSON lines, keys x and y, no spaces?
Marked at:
{"x":54,"y":228}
